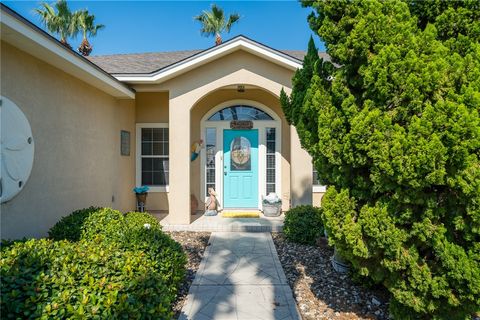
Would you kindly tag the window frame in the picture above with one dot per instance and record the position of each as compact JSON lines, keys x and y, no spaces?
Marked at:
{"x":206,"y":168}
{"x":317,"y":188}
{"x":274,"y":154}
{"x":209,"y":119}
{"x":138,"y":148}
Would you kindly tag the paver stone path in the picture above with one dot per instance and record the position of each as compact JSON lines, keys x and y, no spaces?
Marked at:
{"x":240,"y":277}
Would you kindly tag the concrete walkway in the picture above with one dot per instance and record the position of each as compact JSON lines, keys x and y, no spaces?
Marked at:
{"x":217,"y":223}
{"x":240,"y":277}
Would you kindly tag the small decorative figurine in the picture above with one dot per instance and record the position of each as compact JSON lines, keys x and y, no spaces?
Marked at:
{"x":211,"y":203}
{"x":196,"y":147}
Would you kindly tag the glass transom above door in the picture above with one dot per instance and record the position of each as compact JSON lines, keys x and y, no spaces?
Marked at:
{"x":240,"y":165}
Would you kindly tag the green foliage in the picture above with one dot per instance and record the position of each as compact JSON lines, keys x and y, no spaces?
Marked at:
{"x":303,"y":224}
{"x":108,"y":234}
{"x":70,"y":227}
{"x":139,"y":219}
{"x":214,"y":23}
{"x":58,"y":19}
{"x":394,"y":130}
{"x":128,"y":232}
{"x":105,"y":224}
{"x":59,"y":279}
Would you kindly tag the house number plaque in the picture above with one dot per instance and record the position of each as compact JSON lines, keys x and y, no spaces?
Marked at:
{"x":241,"y":124}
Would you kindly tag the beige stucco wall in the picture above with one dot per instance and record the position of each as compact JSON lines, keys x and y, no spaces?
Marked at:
{"x":186,"y":90}
{"x":301,"y":172}
{"x":76,"y":129}
{"x":317,"y":199}
{"x":152,"y":107}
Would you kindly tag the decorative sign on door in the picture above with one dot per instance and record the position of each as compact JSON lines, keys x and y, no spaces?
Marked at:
{"x":241,"y":124}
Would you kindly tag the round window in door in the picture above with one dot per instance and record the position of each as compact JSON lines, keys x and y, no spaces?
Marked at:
{"x":240,"y":159}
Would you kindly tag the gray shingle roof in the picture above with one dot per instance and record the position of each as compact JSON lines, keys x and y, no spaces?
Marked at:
{"x":150,"y":62}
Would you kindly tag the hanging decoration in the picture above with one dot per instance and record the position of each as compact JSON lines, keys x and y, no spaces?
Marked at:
{"x":196,"y":147}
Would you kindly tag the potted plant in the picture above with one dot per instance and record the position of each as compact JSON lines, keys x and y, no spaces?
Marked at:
{"x":271,"y":205}
{"x":339,"y":263}
{"x":141,"y":194}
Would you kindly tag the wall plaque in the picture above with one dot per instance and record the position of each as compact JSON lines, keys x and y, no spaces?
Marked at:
{"x":124,"y":143}
{"x":241,"y":124}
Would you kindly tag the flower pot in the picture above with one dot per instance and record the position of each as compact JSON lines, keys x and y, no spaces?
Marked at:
{"x":339,"y":264}
{"x":142,"y":197}
{"x":272,"y":210}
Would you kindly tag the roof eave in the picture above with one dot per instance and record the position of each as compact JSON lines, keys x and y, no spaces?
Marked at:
{"x":24,"y":35}
{"x":206,"y":56}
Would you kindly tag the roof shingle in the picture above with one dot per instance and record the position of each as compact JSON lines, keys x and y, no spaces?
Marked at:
{"x":150,"y":62}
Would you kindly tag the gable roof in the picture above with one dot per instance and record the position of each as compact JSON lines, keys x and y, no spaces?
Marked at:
{"x":138,"y":63}
{"x":189,"y":62}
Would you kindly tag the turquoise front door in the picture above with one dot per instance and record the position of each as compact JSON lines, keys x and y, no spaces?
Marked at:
{"x":240,"y":168}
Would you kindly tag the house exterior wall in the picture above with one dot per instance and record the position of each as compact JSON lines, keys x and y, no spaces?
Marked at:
{"x":152,"y":107}
{"x":76,"y":129}
{"x":317,"y":198}
{"x":187,"y":91}
{"x":301,"y":173}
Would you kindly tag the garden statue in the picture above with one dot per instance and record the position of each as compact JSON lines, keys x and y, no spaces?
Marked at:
{"x":211,"y":203}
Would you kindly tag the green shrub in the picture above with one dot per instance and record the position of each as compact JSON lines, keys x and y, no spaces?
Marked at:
{"x":70,"y":227}
{"x":392,"y":124}
{"x":59,"y":279}
{"x":103,"y":224}
{"x":140,"y":219}
{"x":128,"y":232}
{"x":303,"y":224}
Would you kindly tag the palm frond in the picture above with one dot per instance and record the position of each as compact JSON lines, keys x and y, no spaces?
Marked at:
{"x":234,"y":17}
{"x":213,"y":22}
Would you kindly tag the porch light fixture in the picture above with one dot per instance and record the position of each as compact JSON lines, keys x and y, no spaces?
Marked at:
{"x":240,"y":88}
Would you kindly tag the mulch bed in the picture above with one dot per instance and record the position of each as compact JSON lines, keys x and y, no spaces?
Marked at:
{"x":321,"y":292}
{"x":194,"y":244}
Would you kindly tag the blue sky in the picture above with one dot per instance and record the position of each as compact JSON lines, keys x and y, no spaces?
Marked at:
{"x":151,"y":26}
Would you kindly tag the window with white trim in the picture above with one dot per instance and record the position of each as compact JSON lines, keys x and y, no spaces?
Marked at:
{"x":317,"y":186}
{"x":270,"y":160}
{"x":211,"y":150}
{"x":154,"y":160}
{"x":240,"y":112}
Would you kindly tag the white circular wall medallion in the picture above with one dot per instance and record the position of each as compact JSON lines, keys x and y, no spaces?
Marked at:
{"x":17,"y":149}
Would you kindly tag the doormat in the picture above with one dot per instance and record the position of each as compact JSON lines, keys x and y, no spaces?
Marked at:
{"x":240,"y":214}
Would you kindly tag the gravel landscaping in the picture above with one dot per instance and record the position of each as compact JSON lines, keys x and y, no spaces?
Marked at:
{"x":194,"y":244}
{"x":321,"y":292}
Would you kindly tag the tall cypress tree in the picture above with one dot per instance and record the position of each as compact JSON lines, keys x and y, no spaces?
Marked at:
{"x":292,"y":106}
{"x":396,"y":136}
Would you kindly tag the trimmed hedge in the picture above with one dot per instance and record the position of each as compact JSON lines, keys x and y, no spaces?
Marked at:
{"x":69,"y":227}
{"x":129,"y":233}
{"x":303,"y":224}
{"x":112,"y":266}
{"x":59,"y":279}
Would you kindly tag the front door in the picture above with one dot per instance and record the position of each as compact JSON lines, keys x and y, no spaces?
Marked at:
{"x":240,"y":168}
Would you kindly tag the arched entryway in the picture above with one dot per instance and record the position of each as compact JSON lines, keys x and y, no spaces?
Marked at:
{"x":242,"y":156}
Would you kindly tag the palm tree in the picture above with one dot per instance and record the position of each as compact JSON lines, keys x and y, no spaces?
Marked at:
{"x":61,"y":21}
{"x":86,"y":24}
{"x":214,"y":23}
